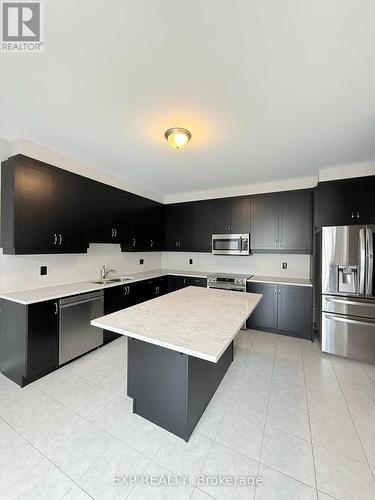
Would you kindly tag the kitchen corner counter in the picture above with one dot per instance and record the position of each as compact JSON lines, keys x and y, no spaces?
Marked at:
{"x":277,"y":280}
{"x":41,"y":294}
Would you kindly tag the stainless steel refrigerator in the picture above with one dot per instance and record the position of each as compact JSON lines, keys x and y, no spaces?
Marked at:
{"x":348,"y":292}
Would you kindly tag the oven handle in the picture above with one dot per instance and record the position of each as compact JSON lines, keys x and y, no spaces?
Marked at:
{"x":349,"y":320}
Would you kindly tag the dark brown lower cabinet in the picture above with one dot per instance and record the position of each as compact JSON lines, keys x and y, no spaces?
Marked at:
{"x":285,"y":309}
{"x":29,"y":340}
{"x":178,"y":282}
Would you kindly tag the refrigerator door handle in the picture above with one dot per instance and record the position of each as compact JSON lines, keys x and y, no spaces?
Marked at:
{"x":346,"y":319}
{"x":370,"y":262}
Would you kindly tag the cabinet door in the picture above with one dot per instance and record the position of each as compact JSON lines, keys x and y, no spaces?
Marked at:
{"x":202,"y":226}
{"x":193,"y":281}
{"x":176,"y":283}
{"x":43,"y":339}
{"x":363,"y":209}
{"x":240,"y":220}
{"x":155,"y":214}
{"x":99,"y":201}
{"x":265,"y":314}
{"x":71,"y":211}
{"x":35,"y":207}
{"x":179,"y":226}
{"x":295,"y":310}
{"x":333,"y":204}
{"x":119,"y":213}
{"x":295,"y":222}
{"x":115,"y":299}
{"x":264,"y":223}
{"x":222,"y":210}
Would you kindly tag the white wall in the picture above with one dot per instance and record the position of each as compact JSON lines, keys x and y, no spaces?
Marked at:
{"x":47,"y":155}
{"x":19,"y":272}
{"x":267,"y":187}
{"x":263,"y":264}
{"x":346,"y":171}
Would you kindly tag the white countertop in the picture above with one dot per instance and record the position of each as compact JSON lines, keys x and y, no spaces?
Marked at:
{"x":41,"y":294}
{"x":197,"y":321}
{"x":277,"y":280}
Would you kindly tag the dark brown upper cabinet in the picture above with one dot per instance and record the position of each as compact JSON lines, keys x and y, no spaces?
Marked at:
{"x":202,"y":226}
{"x":144,"y":228}
{"x":42,"y":208}
{"x":107,"y":213}
{"x":345,"y":202}
{"x":264,"y":223}
{"x":179,"y":226}
{"x":231,"y":215}
{"x":282,"y":222}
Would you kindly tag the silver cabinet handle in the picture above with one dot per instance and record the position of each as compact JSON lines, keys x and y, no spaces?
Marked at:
{"x":112,"y":232}
{"x":358,"y":214}
{"x":60,"y":239}
{"x":56,"y":308}
{"x":353,"y":216}
{"x":116,"y":233}
{"x":151,"y":243}
{"x":55,"y":239}
{"x":133,"y":242}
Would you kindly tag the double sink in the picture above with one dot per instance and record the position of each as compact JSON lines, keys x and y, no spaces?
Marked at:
{"x":108,"y":281}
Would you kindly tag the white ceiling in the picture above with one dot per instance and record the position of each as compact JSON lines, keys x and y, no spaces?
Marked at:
{"x":270,"y":89}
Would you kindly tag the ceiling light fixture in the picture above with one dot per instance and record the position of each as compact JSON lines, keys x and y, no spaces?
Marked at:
{"x":177,"y":137}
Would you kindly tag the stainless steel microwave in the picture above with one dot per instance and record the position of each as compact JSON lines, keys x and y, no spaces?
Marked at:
{"x":231,"y":244}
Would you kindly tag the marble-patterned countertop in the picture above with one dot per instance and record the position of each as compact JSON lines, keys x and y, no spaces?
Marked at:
{"x":277,"y":280}
{"x":200,"y":322}
{"x":40,"y":294}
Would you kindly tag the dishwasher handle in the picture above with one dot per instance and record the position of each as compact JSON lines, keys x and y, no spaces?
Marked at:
{"x":80,"y":299}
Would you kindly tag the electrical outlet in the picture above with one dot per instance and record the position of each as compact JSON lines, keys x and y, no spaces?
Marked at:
{"x":190,"y":261}
{"x":285,"y":265}
{"x":43,"y":270}
{"x":141,"y":262}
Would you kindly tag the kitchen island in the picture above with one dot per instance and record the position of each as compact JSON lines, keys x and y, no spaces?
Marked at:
{"x":180,"y":347}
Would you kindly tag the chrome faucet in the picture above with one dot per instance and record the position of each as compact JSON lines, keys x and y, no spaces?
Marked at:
{"x":105,"y":272}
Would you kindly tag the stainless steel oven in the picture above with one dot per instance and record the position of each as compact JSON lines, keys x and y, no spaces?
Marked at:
{"x":232,"y":282}
{"x":231,"y":244}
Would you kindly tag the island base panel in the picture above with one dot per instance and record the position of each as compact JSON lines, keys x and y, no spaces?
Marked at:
{"x":172,"y":389}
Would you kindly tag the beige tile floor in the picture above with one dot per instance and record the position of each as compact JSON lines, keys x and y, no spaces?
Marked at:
{"x":300,"y":421}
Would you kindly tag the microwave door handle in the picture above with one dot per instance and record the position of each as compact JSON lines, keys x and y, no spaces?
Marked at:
{"x":370,"y":261}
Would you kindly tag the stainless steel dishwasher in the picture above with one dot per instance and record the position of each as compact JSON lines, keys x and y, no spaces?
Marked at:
{"x":77,"y":336}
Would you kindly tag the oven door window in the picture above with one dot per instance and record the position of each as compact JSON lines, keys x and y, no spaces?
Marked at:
{"x":227,"y":244}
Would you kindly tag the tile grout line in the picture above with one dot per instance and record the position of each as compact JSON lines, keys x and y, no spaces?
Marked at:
{"x":309,"y":419}
{"x":265,"y":421}
{"x":213,"y":439}
{"x":354,"y":424}
{"x":47,"y":458}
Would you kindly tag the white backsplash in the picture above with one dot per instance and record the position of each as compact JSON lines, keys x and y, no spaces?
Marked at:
{"x":18,"y":272}
{"x":262,"y":264}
